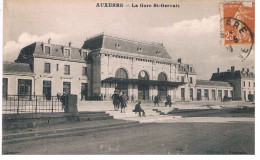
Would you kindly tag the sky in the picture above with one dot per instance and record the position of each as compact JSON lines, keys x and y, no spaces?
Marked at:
{"x":190,"y":32}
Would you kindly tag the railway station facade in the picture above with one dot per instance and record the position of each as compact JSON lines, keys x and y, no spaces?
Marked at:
{"x":105,"y":64}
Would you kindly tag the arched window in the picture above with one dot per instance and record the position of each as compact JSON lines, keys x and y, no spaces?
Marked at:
{"x":121,"y":73}
{"x":162,"y":77}
{"x":143,"y":75}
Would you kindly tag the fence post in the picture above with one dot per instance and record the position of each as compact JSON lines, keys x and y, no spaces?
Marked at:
{"x":51,"y":104}
{"x":18,"y":105}
{"x":36,"y":105}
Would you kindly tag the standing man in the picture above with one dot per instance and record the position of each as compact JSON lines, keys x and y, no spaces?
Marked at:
{"x":115,"y":98}
{"x":123,"y":100}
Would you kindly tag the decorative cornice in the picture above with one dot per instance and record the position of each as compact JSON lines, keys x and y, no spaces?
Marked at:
{"x":58,"y":58}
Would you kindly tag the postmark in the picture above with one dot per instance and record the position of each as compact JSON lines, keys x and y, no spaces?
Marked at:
{"x":238,"y":27}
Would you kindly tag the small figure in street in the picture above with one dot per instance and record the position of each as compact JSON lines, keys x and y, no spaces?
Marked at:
{"x":59,"y":96}
{"x":64,"y":102}
{"x":156,"y":100}
{"x":159,"y":99}
{"x":168,"y":101}
{"x":132,"y":98}
{"x":139,"y":109}
{"x":115,"y":98}
{"x":123,"y":101}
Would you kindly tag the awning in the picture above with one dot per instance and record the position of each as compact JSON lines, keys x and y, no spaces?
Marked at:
{"x":141,"y":81}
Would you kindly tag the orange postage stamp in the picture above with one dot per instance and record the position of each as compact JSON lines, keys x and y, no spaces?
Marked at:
{"x":238,"y":23}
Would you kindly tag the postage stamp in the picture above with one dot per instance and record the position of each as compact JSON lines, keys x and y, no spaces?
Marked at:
{"x":238,"y":26}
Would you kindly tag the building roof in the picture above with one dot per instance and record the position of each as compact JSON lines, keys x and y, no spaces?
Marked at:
{"x":212,"y":83}
{"x":17,"y":68}
{"x":125,"y":45}
{"x":223,"y":76}
{"x":57,"y":51}
{"x":186,"y":69}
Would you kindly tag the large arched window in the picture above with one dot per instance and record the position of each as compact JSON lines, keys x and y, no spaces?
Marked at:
{"x":143,"y":75}
{"x":121,"y":73}
{"x":162,"y":77}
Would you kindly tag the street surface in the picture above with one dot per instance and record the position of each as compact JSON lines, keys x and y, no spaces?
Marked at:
{"x":163,"y":138}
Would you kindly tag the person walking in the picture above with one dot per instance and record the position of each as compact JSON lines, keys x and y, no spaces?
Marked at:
{"x":115,"y":98}
{"x":123,"y":101}
{"x":132,"y":98}
{"x":168,"y":101}
{"x":156,"y":101}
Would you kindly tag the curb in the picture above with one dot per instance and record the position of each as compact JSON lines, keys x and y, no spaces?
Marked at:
{"x":76,"y":131}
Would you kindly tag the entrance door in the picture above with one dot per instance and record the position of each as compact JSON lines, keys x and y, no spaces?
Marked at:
{"x":84,"y":91}
{"x":67,"y":87}
{"x":191,"y":94}
{"x":213,"y":92}
{"x":199,"y":94}
{"x":162,"y":92}
{"x":122,"y":87}
{"x":143,"y":92}
{"x":47,"y":89}
{"x":5,"y":88}
{"x":183,"y":94}
{"x":220,"y":95}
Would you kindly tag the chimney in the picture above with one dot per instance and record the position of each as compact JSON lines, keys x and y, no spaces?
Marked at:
{"x":49,"y":41}
{"x":218,"y":70}
{"x":232,"y":69}
{"x":70,"y":43}
{"x":179,"y":60}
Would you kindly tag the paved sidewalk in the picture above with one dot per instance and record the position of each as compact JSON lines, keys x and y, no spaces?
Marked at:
{"x":155,"y":117}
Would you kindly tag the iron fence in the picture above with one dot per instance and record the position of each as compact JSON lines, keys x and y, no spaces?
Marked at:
{"x":31,"y":104}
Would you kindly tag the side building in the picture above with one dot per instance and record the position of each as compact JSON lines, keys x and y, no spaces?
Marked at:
{"x":242,"y":81}
{"x":47,"y":69}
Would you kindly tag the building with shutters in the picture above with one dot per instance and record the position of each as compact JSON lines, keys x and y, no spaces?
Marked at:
{"x":105,"y":64}
{"x":243,"y":82}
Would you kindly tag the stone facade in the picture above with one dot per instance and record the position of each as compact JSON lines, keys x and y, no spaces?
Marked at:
{"x":103,"y":65}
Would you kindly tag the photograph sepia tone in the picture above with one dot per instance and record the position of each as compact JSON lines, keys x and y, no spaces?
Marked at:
{"x":128,"y":77}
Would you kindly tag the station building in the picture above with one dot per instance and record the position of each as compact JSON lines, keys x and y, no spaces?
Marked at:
{"x":105,"y":64}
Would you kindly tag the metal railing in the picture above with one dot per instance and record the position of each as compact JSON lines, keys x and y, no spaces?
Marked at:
{"x":16,"y":104}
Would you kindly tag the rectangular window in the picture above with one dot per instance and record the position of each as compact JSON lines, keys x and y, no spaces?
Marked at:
{"x":57,"y":67}
{"x":206,"y":93}
{"x":24,"y":86}
{"x":47,"y":68}
{"x":84,"y":71}
{"x":66,"y":87}
{"x":191,"y":94}
{"x":5,"y":88}
{"x":47,"y":89}
{"x":67,"y":69}
{"x":226,"y":93}
{"x":84,"y":55}
{"x":47,"y":50}
{"x":67,"y":52}
{"x":249,"y":84}
{"x":190,"y":69}
{"x":244,"y":83}
{"x":190,"y":79}
{"x":182,"y":79}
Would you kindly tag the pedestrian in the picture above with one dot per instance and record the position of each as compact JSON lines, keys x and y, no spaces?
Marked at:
{"x":168,"y":101}
{"x":115,"y":98}
{"x":132,"y":98}
{"x":64,"y":102}
{"x":156,"y":101}
{"x":123,"y":101}
{"x":139,"y":109}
